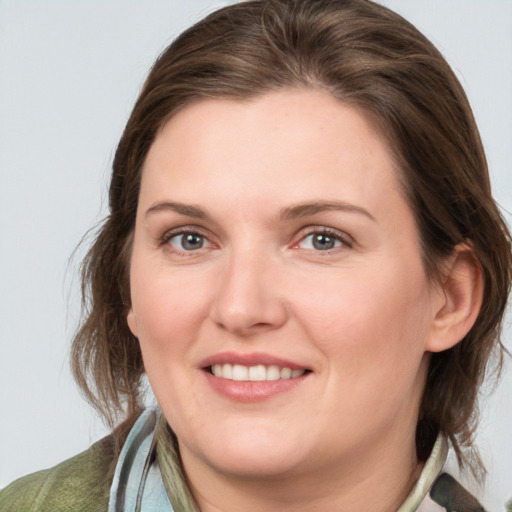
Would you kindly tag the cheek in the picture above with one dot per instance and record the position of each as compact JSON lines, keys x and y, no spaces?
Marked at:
{"x":168,"y":311}
{"x":168,"y":321}
{"x":372,"y":323}
{"x":166,"y":303}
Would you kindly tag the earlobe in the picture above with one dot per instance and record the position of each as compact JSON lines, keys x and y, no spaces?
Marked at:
{"x":462,"y":294}
{"x":132,"y":322}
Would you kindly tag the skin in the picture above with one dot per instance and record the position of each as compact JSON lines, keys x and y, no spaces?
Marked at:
{"x":361,"y":316}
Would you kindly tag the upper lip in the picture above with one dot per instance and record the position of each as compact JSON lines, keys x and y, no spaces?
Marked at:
{"x":252,"y":359}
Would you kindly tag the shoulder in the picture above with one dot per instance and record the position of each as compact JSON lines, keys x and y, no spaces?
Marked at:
{"x":77,"y":484}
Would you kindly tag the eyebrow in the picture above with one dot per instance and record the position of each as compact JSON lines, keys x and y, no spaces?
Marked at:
{"x":188,"y":210}
{"x":311,"y":208}
{"x":288,"y":213}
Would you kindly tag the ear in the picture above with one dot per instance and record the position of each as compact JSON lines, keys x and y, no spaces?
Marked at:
{"x":457,"y":301}
{"x":132,"y":322}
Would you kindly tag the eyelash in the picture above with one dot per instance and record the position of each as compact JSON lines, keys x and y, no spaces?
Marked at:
{"x":310,"y":231}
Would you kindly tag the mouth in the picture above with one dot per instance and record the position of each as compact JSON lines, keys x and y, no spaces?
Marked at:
{"x":257,"y":373}
{"x":252,"y":377}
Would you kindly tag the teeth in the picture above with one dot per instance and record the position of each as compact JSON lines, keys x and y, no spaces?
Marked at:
{"x":240,"y":372}
{"x":227,"y":371}
{"x":273,"y":373}
{"x":256,"y":373}
{"x":286,"y":373}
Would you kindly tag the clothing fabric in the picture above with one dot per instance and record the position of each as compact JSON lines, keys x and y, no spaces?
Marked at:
{"x":83,"y":482}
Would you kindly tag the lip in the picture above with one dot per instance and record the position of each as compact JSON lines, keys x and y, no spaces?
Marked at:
{"x":251,"y":391}
{"x":247,"y":391}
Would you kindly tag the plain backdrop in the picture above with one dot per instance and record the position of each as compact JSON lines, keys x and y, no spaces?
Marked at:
{"x":69,"y":75}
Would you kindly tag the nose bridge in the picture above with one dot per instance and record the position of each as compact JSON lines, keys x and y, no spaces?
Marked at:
{"x":248,"y":298}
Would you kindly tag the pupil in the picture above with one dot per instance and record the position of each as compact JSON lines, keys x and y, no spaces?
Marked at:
{"x":192,"y":242}
{"x":323,"y":242}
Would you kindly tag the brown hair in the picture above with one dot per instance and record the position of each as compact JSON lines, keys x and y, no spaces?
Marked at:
{"x":362,"y":54}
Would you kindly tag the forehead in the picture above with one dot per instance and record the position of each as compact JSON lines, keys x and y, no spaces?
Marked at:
{"x":299,"y":137}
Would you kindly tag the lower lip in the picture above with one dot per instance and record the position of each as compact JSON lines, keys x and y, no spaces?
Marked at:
{"x":252,"y":391}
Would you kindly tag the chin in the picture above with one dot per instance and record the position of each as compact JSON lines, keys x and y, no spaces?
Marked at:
{"x":250,"y":453}
{"x":252,"y":464}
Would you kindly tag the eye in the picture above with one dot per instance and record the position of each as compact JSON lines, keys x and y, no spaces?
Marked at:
{"x":187,"y":241}
{"x":323,"y":241}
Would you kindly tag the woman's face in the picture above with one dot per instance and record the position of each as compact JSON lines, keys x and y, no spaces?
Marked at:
{"x":274,"y":247}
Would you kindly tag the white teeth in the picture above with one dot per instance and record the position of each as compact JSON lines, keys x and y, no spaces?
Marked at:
{"x":240,"y":372}
{"x":256,"y":373}
{"x":286,"y":373}
{"x":227,"y":371}
{"x":273,"y":373}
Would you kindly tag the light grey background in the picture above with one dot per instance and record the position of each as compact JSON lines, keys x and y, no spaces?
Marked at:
{"x":69,"y":74}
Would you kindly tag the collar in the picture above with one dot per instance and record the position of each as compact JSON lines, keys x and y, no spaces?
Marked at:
{"x":430,"y":472}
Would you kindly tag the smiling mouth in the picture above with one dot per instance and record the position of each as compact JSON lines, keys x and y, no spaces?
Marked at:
{"x":258,"y":373}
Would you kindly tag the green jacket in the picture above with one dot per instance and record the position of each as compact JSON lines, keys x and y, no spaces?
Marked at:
{"x":75,"y":485}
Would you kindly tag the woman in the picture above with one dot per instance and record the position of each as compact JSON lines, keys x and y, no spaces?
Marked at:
{"x":298,"y":257}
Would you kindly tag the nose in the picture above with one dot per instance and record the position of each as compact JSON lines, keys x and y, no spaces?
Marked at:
{"x":249,"y":298}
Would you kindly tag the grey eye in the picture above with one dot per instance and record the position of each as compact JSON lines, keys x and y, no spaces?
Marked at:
{"x":323,"y":242}
{"x":188,"y":241}
{"x":320,"y":242}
